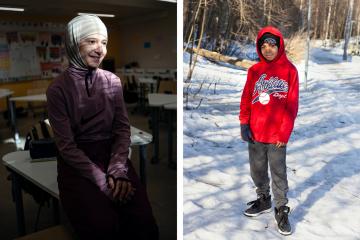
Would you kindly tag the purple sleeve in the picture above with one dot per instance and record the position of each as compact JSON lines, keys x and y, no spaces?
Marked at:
{"x":65,"y":143}
{"x":121,"y":135}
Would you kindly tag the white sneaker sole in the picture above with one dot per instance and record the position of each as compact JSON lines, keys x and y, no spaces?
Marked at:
{"x":284,"y":233}
{"x":281,"y":232}
{"x":257,"y":214}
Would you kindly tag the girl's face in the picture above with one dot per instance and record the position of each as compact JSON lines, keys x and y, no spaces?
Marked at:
{"x":93,"y":49}
{"x":269,"y":51}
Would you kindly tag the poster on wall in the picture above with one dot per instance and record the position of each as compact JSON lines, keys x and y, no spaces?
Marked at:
{"x":12,"y":38}
{"x":44,"y":39}
{"x":55,"y":54}
{"x":50,"y":70}
{"x":57,"y":39}
{"x":4,"y":58}
{"x":28,"y":38}
{"x":42,"y":54}
{"x":31,"y":51}
{"x":24,"y":61}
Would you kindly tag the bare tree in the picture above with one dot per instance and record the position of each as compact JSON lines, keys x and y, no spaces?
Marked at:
{"x":358,"y":26}
{"x":316,"y":24}
{"x":199,"y":43}
{"x":332,"y":22}
{"x":301,"y":9}
{"x":269,"y":13}
{"x":328,"y":19}
{"x":264,"y":14}
{"x":192,"y":26}
{"x":231,"y":21}
{"x":347,"y":31}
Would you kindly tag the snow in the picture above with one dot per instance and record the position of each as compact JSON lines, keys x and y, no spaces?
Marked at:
{"x":323,"y":158}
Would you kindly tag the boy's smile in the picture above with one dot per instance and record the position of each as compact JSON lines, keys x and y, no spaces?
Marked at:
{"x":269,"y":51}
{"x":93,"y":49}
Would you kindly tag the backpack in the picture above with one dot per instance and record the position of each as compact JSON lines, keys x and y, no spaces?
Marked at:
{"x":40,"y":141}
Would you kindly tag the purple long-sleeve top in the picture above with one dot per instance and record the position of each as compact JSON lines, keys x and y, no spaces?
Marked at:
{"x":80,"y":113}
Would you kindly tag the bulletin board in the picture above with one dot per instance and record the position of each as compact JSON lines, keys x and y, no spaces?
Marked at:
{"x":30,"y":50}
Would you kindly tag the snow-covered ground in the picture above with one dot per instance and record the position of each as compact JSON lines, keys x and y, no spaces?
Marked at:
{"x":323,"y":155}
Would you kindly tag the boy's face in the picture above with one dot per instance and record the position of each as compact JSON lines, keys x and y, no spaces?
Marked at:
{"x":93,"y":49}
{"x":269,"y":51}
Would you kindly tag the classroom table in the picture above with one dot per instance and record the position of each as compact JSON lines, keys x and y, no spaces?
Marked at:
{"x":143,"y":81}
{"x":171,"y":109}
{"x":141,"y":139}
{"x":5,"y":93}
{"x":150,"y":81}
{"x":44,"y":175}
{"x":157,"y":101}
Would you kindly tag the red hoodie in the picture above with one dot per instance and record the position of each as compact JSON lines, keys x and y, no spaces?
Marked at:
{"x":269,"y":102}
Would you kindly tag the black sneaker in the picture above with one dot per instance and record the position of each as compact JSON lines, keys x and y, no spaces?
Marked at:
{"x":259,"y":206}
{"x":281,"y":217}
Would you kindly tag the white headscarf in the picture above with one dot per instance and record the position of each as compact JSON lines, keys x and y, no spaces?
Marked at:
{"x":77,"y":29}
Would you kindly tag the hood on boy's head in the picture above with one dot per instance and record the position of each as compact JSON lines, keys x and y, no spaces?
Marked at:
{"x":266,"y":33}
{"x":77,"y":29}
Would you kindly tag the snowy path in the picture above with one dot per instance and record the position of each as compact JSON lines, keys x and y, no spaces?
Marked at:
{"x":323,"y":156}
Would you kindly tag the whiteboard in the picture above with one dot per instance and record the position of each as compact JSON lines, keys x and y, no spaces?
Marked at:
{"x":24,"y":61}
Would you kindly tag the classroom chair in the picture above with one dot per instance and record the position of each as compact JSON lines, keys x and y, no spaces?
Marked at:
{"x":37,"y":107}
{"x":167,"y":86}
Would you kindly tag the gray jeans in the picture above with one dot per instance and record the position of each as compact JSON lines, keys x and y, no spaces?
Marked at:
{"x":261,"y":155}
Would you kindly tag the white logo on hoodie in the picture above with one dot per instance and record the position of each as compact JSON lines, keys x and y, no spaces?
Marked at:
{"x":272,"y":86}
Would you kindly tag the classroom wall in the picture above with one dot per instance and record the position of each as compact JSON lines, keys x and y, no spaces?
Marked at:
{"x":113,"y":30}
{"x":159,"y":31}
{"x":126,"y":44}
{"x":127,"y":40}
{"x":22,"y":88}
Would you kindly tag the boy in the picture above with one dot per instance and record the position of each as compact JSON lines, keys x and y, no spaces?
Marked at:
{"x":88,"y":115}
{"x":268,"y":109}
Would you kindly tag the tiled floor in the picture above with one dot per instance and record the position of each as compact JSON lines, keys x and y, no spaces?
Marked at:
{"x":161,"y":184}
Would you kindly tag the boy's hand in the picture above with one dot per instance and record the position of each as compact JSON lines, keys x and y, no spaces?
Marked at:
{"x":246,"y":133}
{"x":280,"y":144}
{"x":122,"y":189}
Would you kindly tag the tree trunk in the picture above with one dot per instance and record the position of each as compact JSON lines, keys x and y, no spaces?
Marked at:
{"x":199,"y":43}
{"x":186,"y":11}
{"x":301,"y":9}
{"x":316,"y":20}
{"x":193,"y":25}
{"x":347,"y":32}
{"x":328,"y":20}
{"x":215,"y":56}
{"x":269,"y":13}
{"x":332,"y":23}
{"x":188,"y":21}
{"x":358,"y":27}
{"x":307,"y":43}
{"x":264,"y":15}
{"x":230,"y":20}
